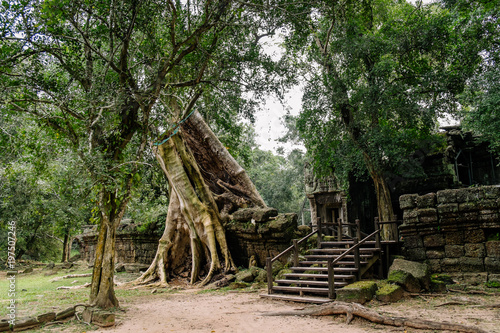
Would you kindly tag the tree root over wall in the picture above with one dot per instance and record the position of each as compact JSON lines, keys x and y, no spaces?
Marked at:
{"x":355,"y":309}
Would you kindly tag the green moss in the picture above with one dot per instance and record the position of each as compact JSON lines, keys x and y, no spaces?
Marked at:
{"x":442,"y":278}
{"x":387,"y":289}
{"x":397,"y":276}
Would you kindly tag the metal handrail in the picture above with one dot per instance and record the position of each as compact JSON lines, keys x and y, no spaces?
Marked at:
{"x":292,"y":246}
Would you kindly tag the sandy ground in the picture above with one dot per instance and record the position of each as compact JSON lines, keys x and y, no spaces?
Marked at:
{"x":241,"y":312}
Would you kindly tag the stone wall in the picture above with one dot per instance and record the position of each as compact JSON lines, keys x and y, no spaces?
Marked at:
{"x":251,"y":232}
{"x":453,"y":230}
{"x":131,"y":247}
{"x":260,"y":238}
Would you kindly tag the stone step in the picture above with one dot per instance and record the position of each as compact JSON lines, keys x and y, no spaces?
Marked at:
{"x":296,"y":298}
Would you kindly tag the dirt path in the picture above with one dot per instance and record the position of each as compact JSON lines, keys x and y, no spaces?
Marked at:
{"x":240,"y":312}
{"x":220,"y":313}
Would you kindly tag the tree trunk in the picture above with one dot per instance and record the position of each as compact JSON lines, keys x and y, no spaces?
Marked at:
{"x":384,"y":202}
{"x":102,"y":292}
{"x":204,"y":180}
{"x":66,"y":247}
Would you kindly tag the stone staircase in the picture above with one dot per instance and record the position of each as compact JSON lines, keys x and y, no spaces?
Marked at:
{"x":332,"y":265}
{"x":308,"y":281}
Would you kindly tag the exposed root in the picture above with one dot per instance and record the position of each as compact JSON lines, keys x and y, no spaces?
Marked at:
{"x":86,"y":285}
{"x":355,"y":309}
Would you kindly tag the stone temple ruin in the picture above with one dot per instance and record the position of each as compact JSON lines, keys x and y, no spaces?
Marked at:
{"x":449,"y":215}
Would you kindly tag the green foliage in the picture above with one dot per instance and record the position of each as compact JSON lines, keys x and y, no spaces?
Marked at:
{"x":379,"y":73}
{"x":42,"y":191}
{"x":279,"y":180}
{"x":481,"y":100}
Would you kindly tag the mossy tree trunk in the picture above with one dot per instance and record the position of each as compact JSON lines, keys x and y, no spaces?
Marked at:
{"x":198,"y":195}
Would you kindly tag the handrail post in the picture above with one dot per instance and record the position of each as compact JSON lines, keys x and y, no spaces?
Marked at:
{"x":377,"y":235}
{"x":379,"y":246}
{"x":269,"y":268}
{"x":320,"y":235}
{"x":295,"y":252}
{"x":339,"y":229}
{"x":357,"y":259}
{"x":358,"y":229}
{"x":331,"y":279}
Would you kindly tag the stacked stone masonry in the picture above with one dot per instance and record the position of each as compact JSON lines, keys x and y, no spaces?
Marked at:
{"x":454,"y":230}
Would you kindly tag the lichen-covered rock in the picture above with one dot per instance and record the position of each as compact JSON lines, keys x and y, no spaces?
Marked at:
{"x":419,"y":271}
{"x":408,"y":201}
{"x":405,"y":280}
{"x":263,"y":214}
{"x":357,"y":292}
{"x":245,"y":276}
{"x":389,"y":293}
{"x":283,"y":222}
{"x":256,"y":214}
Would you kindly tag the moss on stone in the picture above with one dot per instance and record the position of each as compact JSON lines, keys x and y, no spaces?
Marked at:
{"x":388,"y":292}
{"x":357,"y":292}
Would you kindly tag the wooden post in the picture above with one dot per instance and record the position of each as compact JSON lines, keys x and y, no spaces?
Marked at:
{"x":295,"y":252}
{"x":269,"y":268}
{"x":358,"y":229}
{"x":357,"y":259}
{"x":320,"y":235}
{"x":379,"y":246}
{"x":339,"y":229}
{"x":331,"y":279}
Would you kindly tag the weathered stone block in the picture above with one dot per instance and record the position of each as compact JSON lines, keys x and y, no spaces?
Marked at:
{"x":475,"y":279}
{"x":245,"y":276}
{"x":434,"y":254}
{"x":420,"y":271}
{"x":494,"y":277}
{"x":283,"y":222}
{"x":493,"y":249}
{"x":492,"y":265}
{"x":448,"y":209}
{"x":263,"y":214}
{"x":468,"y":264}
{"x":468,"y":207}
{"x":389,"y":293}
{"x":488,"y":204}
{"x":454,"y":237}
{"x":468,"y":194}
{"x":405,"y":280}
{"x":426,"y":201}
{"x":357,"y":292}
{"x":489,"y":216}
{"x":491,"y":192}
{"x":243,"y":215}
{"x":408,"y":201}
{"x":435,"y":240}
{"x":411,"y":242}
{"x":417,"y":254}
{"x":454,"y":251}
{"x":451,"y":265}
{"x":410,"y":214}
{"x":427,"y":212}
{"x":434,"y":265}
{"x":476,"y":250}
{"x":474,"y":236}
{"x":446,"y":196}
